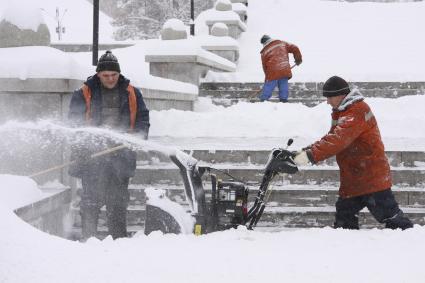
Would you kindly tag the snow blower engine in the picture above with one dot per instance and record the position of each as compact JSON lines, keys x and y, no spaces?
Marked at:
{"x":227,"y":204}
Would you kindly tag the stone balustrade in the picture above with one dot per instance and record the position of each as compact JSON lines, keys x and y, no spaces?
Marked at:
{"x":187,"y":68}
{"x":236,"y":26}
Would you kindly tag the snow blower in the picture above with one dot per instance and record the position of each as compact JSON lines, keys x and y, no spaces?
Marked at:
{"x":225,"y":208}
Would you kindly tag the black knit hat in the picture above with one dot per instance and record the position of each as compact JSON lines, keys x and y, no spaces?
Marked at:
{"x":335,"y":86}
{"x":265,"y":38}
{"x":108,"y":62}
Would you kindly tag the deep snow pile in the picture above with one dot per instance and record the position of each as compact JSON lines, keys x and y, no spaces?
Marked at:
{"x":305,"y":255}
{"x":17,"y":191}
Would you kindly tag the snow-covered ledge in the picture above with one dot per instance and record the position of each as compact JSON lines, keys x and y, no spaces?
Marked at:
{"x":157,"y":99}
{"x":187,"y":67}
{"x":220,"y":43}
{"x":177,"y":58}
{"x":41,"y":98}
{"x":45,"y":207}
{"x":22,"y":25}
{"x":236,"y":26}
{"x":51,"y":214}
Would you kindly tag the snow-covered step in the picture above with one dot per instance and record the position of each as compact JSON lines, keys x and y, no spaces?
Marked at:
{"x":168,"y":173}
{"x":226,"y":93}
{"x":286,"y":194}
{"x":308,"y":217}
{"x":395,"y":158}
{"x":273,"y":217}
{"x":283,"y":195}
{"x":289,"y":206}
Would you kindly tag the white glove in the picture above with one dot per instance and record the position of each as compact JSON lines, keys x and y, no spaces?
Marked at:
{"x":301,"y":158}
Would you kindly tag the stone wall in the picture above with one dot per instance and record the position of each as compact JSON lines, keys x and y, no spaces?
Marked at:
{"x":12,"y":36}
{"x":27,"y":151}
{"x":51,"y":214}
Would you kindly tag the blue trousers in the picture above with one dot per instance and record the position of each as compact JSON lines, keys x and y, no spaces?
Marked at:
{"x":271,"y":85}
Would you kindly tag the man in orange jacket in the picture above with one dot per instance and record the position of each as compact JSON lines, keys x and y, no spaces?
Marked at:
{"x":365,"y":177}
{"x":276,"y":67}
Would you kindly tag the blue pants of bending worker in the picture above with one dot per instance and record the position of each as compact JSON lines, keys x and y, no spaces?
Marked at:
{"x":270,"y":86}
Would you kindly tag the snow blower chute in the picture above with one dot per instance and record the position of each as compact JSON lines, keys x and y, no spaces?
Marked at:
{"x":225,"y":208}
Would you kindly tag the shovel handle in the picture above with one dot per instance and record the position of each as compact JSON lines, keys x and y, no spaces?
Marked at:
{"x":100,"y":153}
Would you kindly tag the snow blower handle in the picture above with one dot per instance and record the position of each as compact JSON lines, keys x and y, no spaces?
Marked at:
{"x":100,"y":153}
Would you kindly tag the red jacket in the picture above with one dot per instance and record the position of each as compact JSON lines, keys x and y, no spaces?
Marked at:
{"x":355,"y":140}
{"x":275,"y":59}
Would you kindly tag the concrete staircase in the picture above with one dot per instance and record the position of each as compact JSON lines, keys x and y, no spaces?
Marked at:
{"x":308,"y":93}
{"x":305,"y":199}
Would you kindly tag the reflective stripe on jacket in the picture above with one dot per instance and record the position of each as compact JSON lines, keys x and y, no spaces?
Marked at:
{"x":132,"y":103}
{"x":86,"y":106}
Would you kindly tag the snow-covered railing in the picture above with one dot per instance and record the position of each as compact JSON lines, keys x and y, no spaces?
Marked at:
{"x":187,"y":67}
{"x":180,"y":58}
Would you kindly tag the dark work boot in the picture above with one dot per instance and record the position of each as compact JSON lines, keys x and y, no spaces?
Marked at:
{"x":399,"y":221}
{"x":89,"y":219}
{"x":117,"y":221}
{"x":283,"y":100}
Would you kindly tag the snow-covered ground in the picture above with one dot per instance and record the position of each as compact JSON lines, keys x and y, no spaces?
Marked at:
{"x":304,"y":255}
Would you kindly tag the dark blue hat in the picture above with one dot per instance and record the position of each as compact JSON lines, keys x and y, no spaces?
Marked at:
{"x":108,"y":62}
{"x":335,"y":86}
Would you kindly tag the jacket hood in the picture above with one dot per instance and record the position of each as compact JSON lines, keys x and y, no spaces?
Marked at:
{"x":349,"y":99}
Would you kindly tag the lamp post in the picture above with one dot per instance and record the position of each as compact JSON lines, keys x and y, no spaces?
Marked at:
{"x":60,"y":29}
{"x":95,"y":47}
{"x":192,"y":17}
